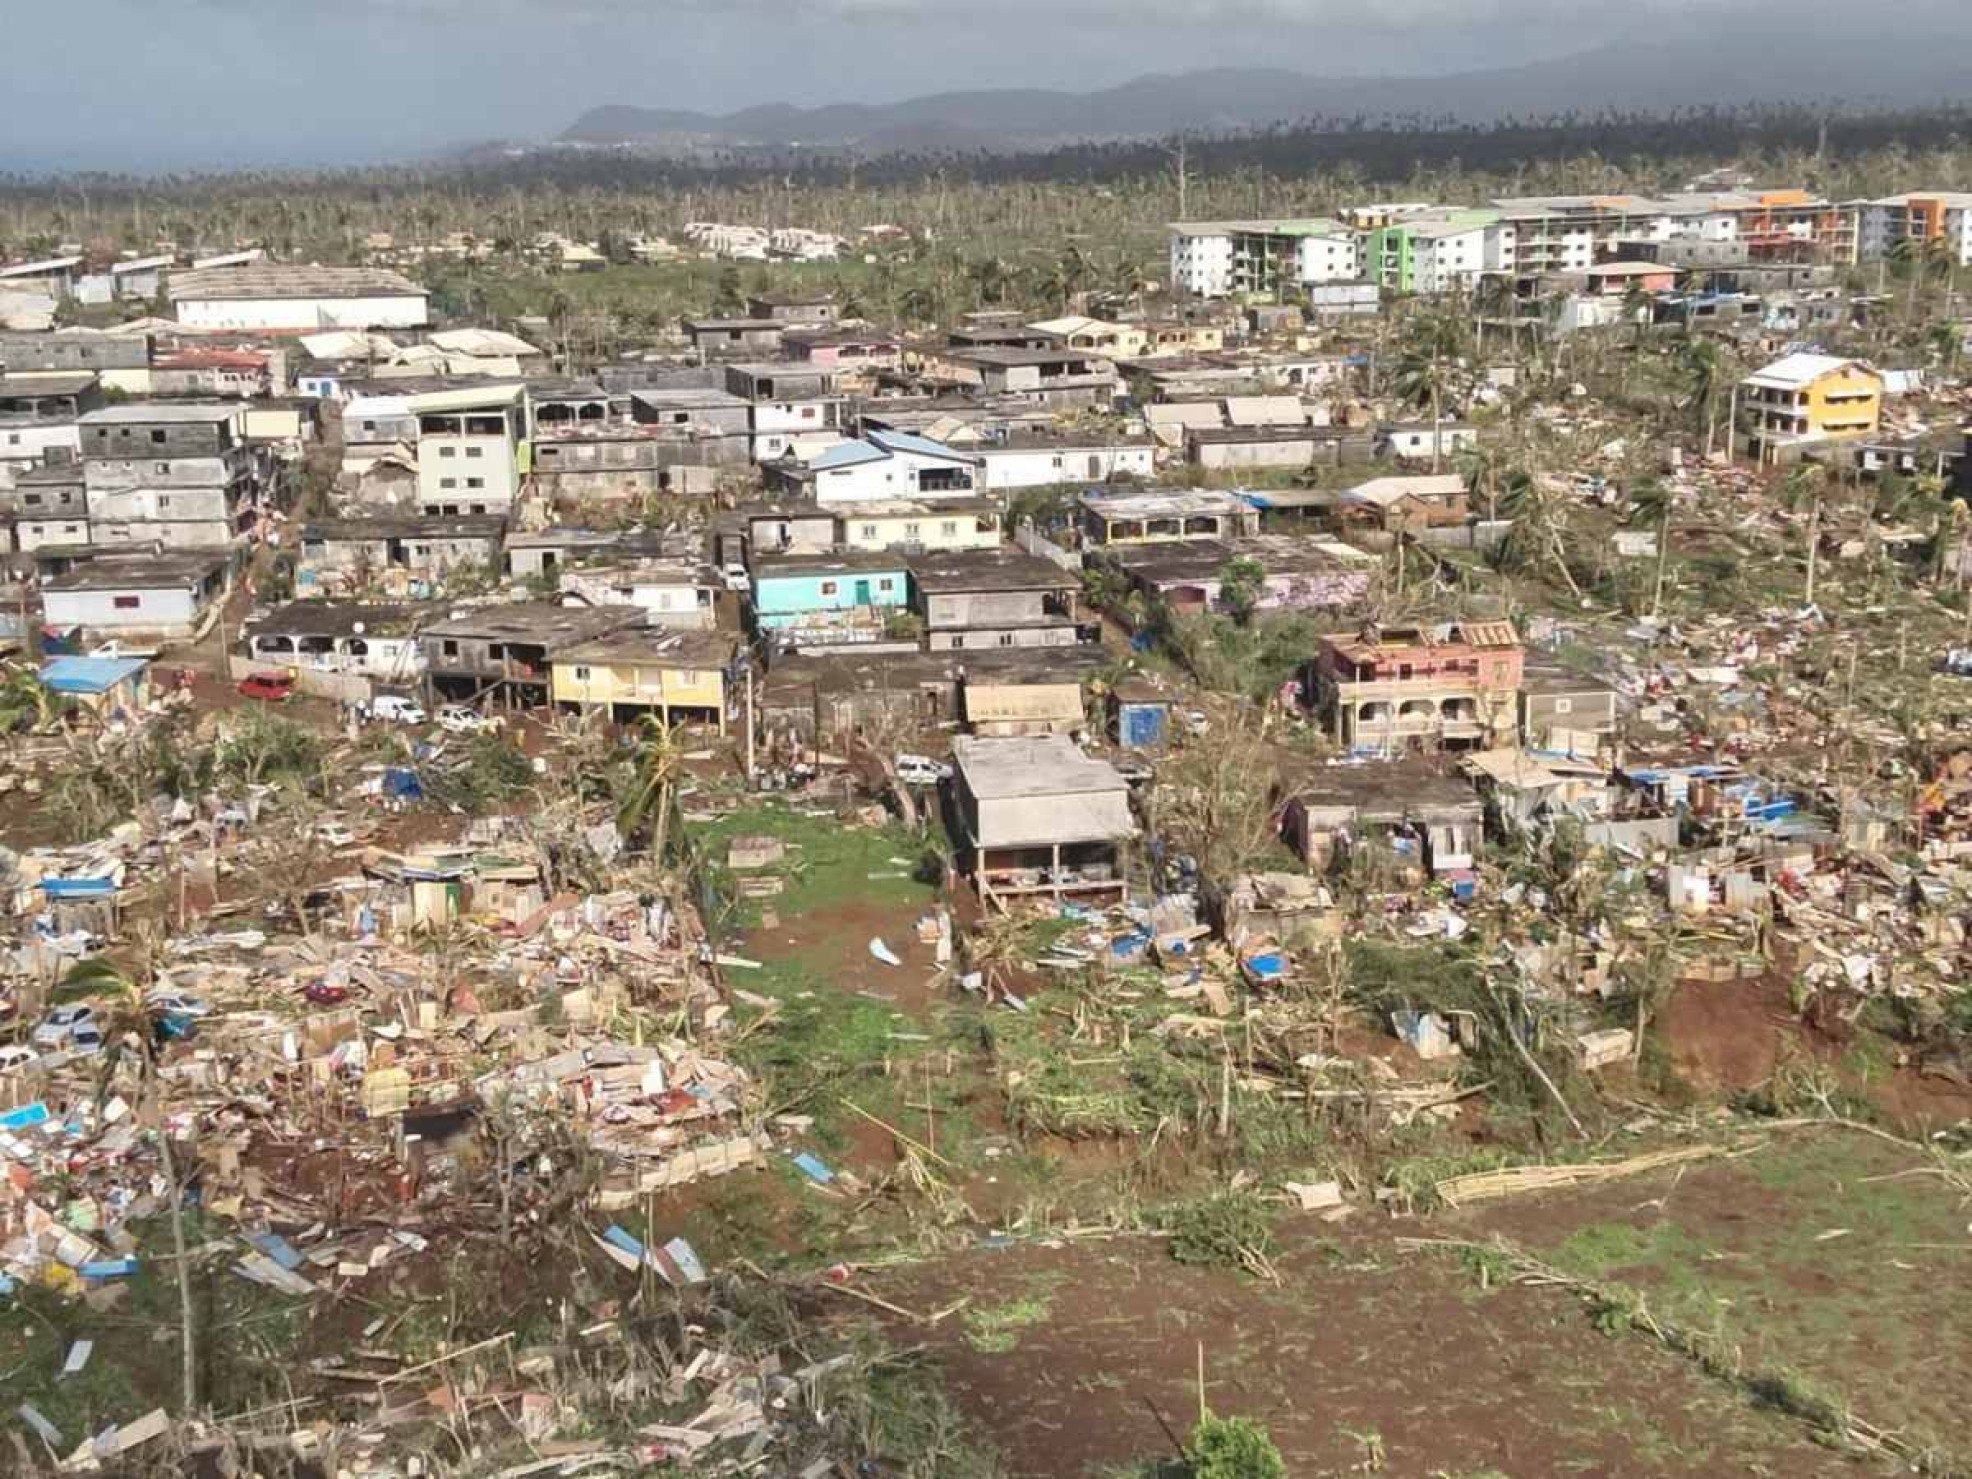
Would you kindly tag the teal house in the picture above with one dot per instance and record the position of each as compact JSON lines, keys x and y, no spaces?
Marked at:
{"x":815,"y":599}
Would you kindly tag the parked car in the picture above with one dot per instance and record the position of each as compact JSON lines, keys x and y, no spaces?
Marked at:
{"x":334,"y":833}
{"x":921,"y":770}
{"x":325,"y":993}
{"x":173,"y":1027}
{"x":15,"y":1056}
{"x":458,"y":719}
{"x":87,"y":1038}
{"x":179,"y":1001}
{"x":61,"y":1025}
{"x":736,"y":577}
{"x":398,"y":709}
{"x":269,"y":688}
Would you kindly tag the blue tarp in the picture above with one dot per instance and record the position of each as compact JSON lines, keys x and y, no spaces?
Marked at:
{"x":403,"y":784}
{"x":78,"y":888}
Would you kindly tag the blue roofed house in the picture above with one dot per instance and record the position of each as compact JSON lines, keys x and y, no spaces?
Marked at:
{"x":884,"y":466}
{"x":103,"y":686}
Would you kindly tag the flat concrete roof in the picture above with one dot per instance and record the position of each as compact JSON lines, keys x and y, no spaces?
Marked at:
{"x":1043,"y":765}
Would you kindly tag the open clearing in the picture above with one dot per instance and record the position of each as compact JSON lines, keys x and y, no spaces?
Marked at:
{"x":1826,"y":1277}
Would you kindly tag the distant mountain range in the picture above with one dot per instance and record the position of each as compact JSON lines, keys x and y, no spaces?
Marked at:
{"x":1743,"y":63}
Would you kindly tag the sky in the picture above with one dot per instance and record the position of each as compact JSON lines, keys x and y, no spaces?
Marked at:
{"x":179,"y":84}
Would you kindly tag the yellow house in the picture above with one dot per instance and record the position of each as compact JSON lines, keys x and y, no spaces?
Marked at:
{"x":1173,"y":336}
{"x":1806,"y":398}
{"x":649,"y":670}
{"x":960,"y":523}
{"x":1111,"y":341}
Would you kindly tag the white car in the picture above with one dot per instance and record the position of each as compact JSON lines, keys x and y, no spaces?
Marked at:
{"x":334,"y":833}
{"x":921,"y":770}
{"x":458,"y":719}
{"x":397,"y":708}
{"x":67,"y":1022}
{"x":736,"y":578}
{"x":179,"y":1003}
{"x":14,"y":1057}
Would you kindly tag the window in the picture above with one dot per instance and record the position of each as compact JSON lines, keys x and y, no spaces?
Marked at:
{"x":1006,"y":639}
{"x":807,"y":413}
{"x":448,"y":482}
{"x":369,"y":426}
{"x":950,"y":526}
{"x":158,"y":437}
{"x":13,"y":439}
{"x":71,"y":528}
{"x":910,"y":532}
{"x":1564,"y":706}
{"x":163,"y":502}
{"x":475,"y":482}
{"x":885,"y":583}
{"x":161,"y":467}
{"x":581,"y":675}
{"x":448,"y":451}
{"x":869,"y":531}
{"x":31,"y":499}
{"x":477,"y":508}
{"x":449,"y":648}
{"x":828,"y":587}
{"x":127,"y":603}
{"x":475,"y":451}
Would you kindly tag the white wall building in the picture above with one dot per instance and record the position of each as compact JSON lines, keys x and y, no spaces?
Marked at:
{"x":1218,"y":259}
{"x":468,"y":450}
{"x":1018,"y":463}
{"x":260,"y":298}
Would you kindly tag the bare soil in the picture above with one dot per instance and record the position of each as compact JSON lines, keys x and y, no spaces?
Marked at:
{"x":1358,"y":1353}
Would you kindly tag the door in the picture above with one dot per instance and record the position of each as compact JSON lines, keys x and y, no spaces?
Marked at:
{"x":862,"y":593}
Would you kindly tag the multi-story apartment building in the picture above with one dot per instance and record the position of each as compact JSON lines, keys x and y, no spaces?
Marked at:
{"x":1936,"y":220}
{"x":1386,"y":689}
{"x":1220,"y":259}
{"x":1435,"y":252}
{"x":177,"y":474}
{"x":470,"y":449}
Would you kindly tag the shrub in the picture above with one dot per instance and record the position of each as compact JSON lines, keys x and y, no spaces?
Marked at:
{"x":1234,"y":1448}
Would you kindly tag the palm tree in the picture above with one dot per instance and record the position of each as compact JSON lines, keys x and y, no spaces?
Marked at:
{"x":1701,"y":366}
{"x":1425,"y":370}
{"x":1651,"y":503}
{"x":125,"y":1022}
{"x":653,"y":792}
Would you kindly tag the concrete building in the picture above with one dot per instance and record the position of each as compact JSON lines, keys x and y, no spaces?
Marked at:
{"x":40,"y":414}
{"x":1383,"y":690}
{"x":1298,"y":573}
{"x":391,"y":553}
{"x":508,"y":651}
{"x":1439,"y":252}
{"x":670,"y":593}
{"x":993,"y":598}
{"x":470,"y":449}
{"x":666,"y":672}
{"x":1039,"y":819}
{"x":949,"y":524}
{"x":1802,"y":400}
{"x":180,"y":475}
{"x":884,"y":466}
{"x":1031,"y":460}
{"x":48,"y":505}
{"x":1164,"y":514}
{"x":375,"y":641}
{"x":827,"y":599}
{"x":264,"y":298}
{"x":151,"y":593}
{"x":1221,"y":259}
{"x":1937,"y":221}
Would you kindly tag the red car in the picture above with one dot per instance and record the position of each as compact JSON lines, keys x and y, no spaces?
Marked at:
{"x":272,"y":688}
{"x":325,"y":993}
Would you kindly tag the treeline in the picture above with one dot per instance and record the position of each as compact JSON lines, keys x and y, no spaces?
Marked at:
{"x":1109,"y":195}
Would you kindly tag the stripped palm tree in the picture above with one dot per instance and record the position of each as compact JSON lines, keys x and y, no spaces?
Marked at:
{"x":646,"y":809}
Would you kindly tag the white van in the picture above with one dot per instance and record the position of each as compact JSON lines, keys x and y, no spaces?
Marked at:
{"x":397,"y":709}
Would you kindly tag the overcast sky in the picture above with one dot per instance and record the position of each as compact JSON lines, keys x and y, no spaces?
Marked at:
{"x":186,"y":83}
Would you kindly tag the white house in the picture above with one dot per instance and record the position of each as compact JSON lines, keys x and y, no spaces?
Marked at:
{"x":1041,"y":461}
{"x":888,"y":466}
{"x":163,"y":594}
{"x":261,"y":298}
{"x":671,"y":593}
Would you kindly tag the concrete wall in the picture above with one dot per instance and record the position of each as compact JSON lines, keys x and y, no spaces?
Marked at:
{"x":984,"y":608}
{"x":310,"y":314}
{"x":134,"y":441}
